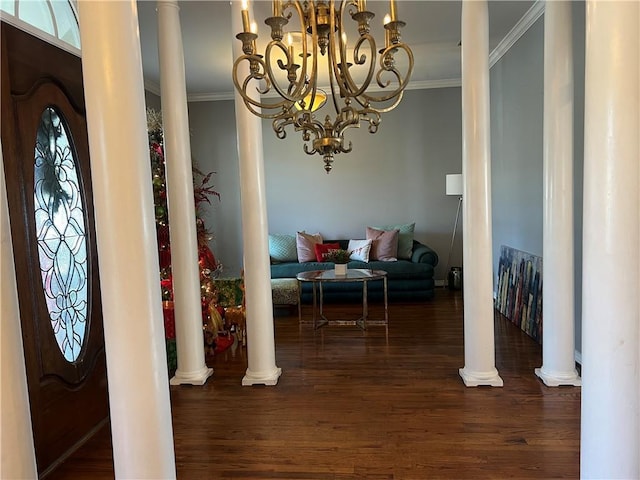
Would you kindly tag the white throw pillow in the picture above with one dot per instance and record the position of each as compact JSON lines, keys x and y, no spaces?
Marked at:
{"x":359,"y":250}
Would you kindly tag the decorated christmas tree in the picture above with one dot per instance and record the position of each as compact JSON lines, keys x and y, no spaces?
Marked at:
{"x":208,"y":265}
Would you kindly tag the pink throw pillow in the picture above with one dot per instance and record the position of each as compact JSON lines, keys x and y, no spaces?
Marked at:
{"x":322,"y":249}
{"x":305,"y":245}
{"x":384,"y":246}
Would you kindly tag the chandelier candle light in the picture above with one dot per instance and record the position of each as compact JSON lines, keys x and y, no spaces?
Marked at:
{"x":290,"y":92}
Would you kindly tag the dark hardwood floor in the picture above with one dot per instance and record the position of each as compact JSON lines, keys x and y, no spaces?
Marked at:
{"x":354,"y":405}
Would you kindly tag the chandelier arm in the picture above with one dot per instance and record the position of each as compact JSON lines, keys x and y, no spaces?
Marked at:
{"x":341,"y":148}
{"x":332,"y":86}
{"x":349,"y":118}
{"x":305,"y":47}
{"x":343,"y":77}
{"x":299,"y":81}
{"x":247,"y":99}
{"x":346,"y":150}
{"x":402,"y":82}
{"x":305,"y":121}
{"x":368,"y":104}
{"x":372,"y":117}
{"x":279,"y":125}
{"x":396,"y":101}
{"x":312,"y":85}
{"x":306,"y":150}
{"x":392,"y":93}
{"x":334,"y":97}
{"x":361,"y":59}
{"x":301,"y":121}
{"x":251,"y":104}
{"x":303,"y":87}
{"x":348,"y":83}
{"x":332,"y":64}
{"x":410,"y":59}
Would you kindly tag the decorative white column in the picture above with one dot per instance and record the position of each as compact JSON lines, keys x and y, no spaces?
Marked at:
{"x":17,"y":455}
{"x":192,"y":368}
{"x":479,"y":343}
{"x":610,"y":417}
{"x":558,"y":335}
{"x":261,"y":352}
{"x":139,"y":404}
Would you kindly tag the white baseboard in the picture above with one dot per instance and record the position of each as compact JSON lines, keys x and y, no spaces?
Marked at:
{"x":439,"y":283}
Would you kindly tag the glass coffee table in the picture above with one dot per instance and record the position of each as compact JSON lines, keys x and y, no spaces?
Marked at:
{"x":319,"y":277}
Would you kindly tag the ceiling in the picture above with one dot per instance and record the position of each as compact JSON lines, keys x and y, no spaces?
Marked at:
{"x":432,"y":32}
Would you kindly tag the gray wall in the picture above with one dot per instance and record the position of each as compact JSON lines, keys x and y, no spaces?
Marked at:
{"x":398,"y":174}
{"x":152,"y":100}
{"x":394,"y":176}
{"x":214,"y":149}
{"x":517,"y":148}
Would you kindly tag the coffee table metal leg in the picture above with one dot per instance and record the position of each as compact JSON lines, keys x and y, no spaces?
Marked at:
{"x":322,"y":321}
{"x":313,"y":288}
{"x":365,"y":306}
{"x":299,"y":303}
{"x":386,"y":303}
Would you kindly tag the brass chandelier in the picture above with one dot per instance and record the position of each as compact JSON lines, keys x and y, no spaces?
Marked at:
{"x":291,"y":70}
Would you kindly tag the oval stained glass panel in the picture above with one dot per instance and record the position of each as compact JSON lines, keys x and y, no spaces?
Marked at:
{"x":61,"y":234}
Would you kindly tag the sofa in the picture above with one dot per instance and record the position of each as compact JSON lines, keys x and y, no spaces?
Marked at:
{"x":407,"y":279}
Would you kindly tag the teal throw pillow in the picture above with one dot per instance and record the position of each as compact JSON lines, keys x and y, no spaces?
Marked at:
{"x":282,"y":248}
{"x":405,"y":238}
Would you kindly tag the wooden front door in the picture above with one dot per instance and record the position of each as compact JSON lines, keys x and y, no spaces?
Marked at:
{"x":46,"y":161}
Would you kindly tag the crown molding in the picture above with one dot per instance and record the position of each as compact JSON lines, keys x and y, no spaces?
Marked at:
{"x":210,"y":97}
{"x":442,"y":83}
{"x":152,"y":87}
{"x":422,"y":85}
{"x":519,"y":29}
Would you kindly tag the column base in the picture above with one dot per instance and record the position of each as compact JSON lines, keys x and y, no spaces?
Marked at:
{"x":191,"y":378}
{"x":476,"y":379}
{"x":268,"y":379}
{"x":559,"y":379}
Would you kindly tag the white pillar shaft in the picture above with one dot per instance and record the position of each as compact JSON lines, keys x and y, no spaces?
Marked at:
{"x":261,"y":367}
{"x":179,"y":177}
{"x":17,"y":453}
{"x":610,"y":425}
{"x":558,"y":342}
{"x":479,"y":348}
{"x":125,"y":232}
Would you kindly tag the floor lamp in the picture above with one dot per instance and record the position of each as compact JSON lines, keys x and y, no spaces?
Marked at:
{"x":454,"y":187}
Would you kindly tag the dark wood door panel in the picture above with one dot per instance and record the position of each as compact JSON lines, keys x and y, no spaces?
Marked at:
{"x":29,"y":110}
{"x":33,"y":59}
{"x":68,"y":398}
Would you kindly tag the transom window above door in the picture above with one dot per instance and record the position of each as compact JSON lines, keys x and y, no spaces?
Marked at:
{"x":55,"y":21}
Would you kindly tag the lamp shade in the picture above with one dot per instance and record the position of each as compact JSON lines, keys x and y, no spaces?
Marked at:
{"x":454,"y":184}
